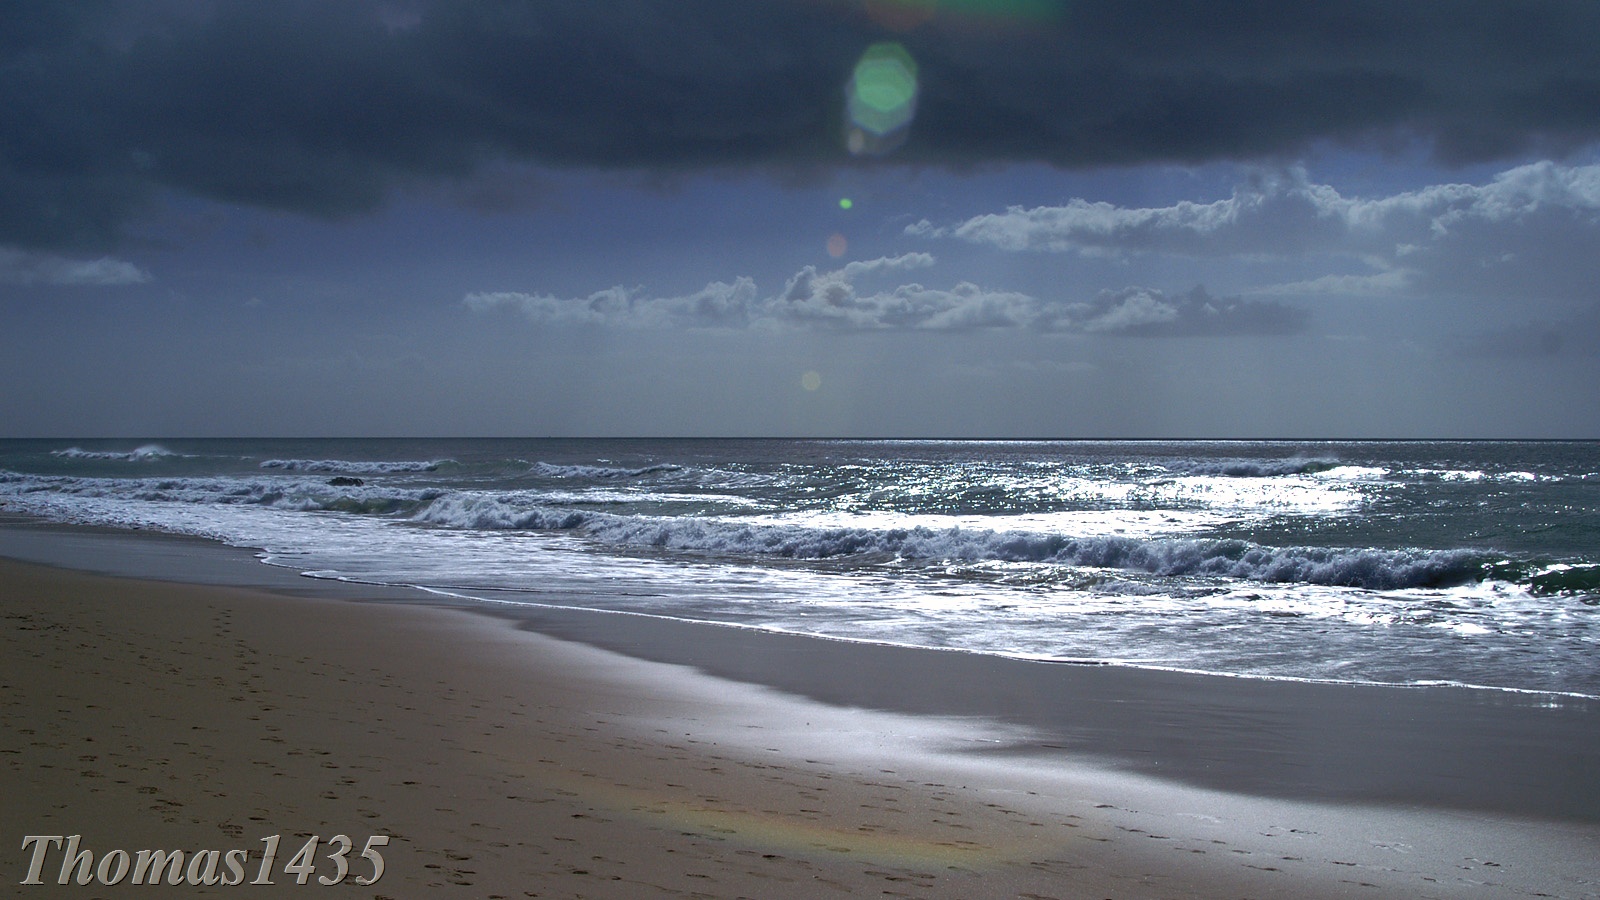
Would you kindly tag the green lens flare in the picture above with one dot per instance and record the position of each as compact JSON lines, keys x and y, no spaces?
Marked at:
{"x":881,"y":99}
{"x":883,"y":89}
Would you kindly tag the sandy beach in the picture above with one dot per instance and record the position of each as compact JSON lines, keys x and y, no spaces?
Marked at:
{"x":505,"y":763}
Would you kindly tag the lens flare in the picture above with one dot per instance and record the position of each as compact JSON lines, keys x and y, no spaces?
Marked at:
{"x":880,"y":100}
{"x":846,"y":203}
{"x":837,"y":245}
{"x":811,"y":381}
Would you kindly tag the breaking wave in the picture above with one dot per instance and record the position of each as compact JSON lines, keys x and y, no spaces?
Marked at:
{"x":1260,"y":468}
{"x":354,"y":467}
{"x":1231,"y":558}
{"x":551,"y":470}
{"x":1567,"y":580}
{"x":147,"y":452}
{"x":47,"y":493}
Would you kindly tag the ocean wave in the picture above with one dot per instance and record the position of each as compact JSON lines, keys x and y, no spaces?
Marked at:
{"x":551,"y":470}
{"x":1567,"y":580}
{"x":1342,"y":567}
{"x":354,"y":467}
{"x":1479,"y":475}
{"x":1437,"y":475}
{"x":301,"y":495}
{"x":147,"y":452}
{"x":1258,"y":468}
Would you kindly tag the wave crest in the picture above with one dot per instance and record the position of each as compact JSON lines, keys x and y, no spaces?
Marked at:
{"x":1261,"y":468}
{"x":147,"y":452}
{"x":1340,"y":567}
{"x":354,"y":467}
{"x":551,"y":470}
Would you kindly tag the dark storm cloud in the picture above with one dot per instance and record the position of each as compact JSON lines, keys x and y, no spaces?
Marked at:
{"x":321,"y":108}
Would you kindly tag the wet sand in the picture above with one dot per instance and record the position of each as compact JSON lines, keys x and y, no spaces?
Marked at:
{"x":504,"y":762}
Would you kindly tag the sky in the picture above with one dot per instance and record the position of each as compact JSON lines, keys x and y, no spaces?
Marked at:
{"x":867,"y":218}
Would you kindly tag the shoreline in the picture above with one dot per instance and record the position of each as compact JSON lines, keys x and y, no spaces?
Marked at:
{"x":1441,"y":747}
{"x":1524,"y":754}
{"x":776,"y":790}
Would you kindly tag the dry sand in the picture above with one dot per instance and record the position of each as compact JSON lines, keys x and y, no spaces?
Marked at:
{"x":502,"y":763}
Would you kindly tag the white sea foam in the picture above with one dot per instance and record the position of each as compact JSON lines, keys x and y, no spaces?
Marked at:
{"x":144,"y":453}
{"x":603,"y":497}
{"x":1446,"y":474}
{"x":1366,"y":568}
{"x":1257,"y":468}
{"x":60,"y":493}
{"x":1079,"y":522}
{"x":354,"y":467}
{"x":1353,"y":473}
{"x":549,"y":470}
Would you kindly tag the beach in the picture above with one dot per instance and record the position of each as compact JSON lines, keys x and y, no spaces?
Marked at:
{"x":1039,"y":449}
{"x":499,"y":761}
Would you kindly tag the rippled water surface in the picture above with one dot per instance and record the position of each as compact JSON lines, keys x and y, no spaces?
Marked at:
{"x":1468,"y":562}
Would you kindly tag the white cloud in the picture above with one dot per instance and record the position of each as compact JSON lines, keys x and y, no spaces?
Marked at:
{"x":902,"y":263}
{"x":718,"y":304}
{"x":1530,"y":232}
{"x":1132,"y":310}
{"x":1147,"y":312}
{"x":1277,"y":213}
{"x":810,"y":298}
{"x":832,"y":299}
{"x":963,"y":307}
{"x":1382,"y":284}
{"x":23,"y":267}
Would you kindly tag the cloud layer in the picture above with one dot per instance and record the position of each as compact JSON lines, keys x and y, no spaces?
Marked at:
{"x":19,"y":267}
{"x":323,"y":108}
{"x":1532,"y":232}
{"x":832,"y":300}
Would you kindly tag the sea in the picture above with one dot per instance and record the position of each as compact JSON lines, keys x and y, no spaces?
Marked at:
{"x":1473,"y":563}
